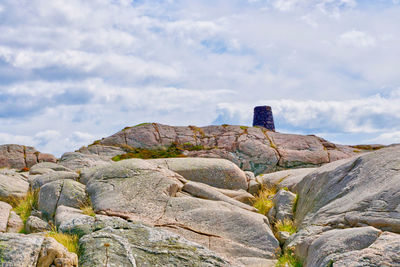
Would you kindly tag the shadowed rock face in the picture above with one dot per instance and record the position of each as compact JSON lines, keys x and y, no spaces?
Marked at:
{"x":19,"y":157}
{"x":348,"y":212}
{"x":251,"y":148}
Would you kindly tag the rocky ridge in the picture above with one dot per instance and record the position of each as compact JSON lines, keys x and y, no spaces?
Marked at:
{"x":197,"y":211}
{"x":253,"y":149}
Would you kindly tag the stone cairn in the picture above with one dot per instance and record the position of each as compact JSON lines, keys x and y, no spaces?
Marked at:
{"x":263,"y":117}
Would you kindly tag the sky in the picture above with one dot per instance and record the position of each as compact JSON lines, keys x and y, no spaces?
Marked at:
{"x":74,"y":71}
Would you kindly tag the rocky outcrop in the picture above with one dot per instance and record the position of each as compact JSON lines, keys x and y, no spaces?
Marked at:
{"x":251,"y":148}
{"x":220,"y":173}
{"x":349,"y":211}
{"x":138,"y":190}
{"x":13,"y":185}
{"x":19,"y":157}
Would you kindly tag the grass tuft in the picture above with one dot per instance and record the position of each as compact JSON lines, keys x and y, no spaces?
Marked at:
{"x":23,"y":206}
{"x":288,"y":259}
{"x":296,"y":200}
{"x":286,"y":225}
{"x":263,"y":201}
{"x":69,"y":241}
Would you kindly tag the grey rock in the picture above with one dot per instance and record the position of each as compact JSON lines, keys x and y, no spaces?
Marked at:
{"x":36,"y":225}
{"x":64,"y":213}
{"x":141,"y":245}
{"x":342,"y":198}
{"x":282,"y":236}
{"x":239,"y":195}
{"x":208,"y":192}
{"x":219,"y":173}
{"x":48,"y":166}
{"x":140,"y":191}
{"x":383,"y":252}
{"x":15,"y":223}
{"x":104,"y":151}
{"x":283,"y":205}
{"x":256,"y":262}
{"x":5,"y":209}
{"x":20,"y":249}
{"x":326,"y":247}
{"x":39,"y":181}
{"x":254,"y":187}
{"x":61,"y":192}
{"x":286,"y":178}
{"x":77,"y":161}
{"x":15,"y":186}
{"x":53,"y":253}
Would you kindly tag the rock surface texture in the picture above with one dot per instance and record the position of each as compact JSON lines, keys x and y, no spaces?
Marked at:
{"x":19,"y":157}
{"x":138,"y":190}
{"x":348,"y":212}
{"x":251,"y":148}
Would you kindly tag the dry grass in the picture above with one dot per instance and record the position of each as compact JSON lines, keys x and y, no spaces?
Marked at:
{"x":23,"y":206}
{"x":263,"y":201}
{"x":88,"y":210}
{"x":286,"y":225}
{"x":69,"y":241}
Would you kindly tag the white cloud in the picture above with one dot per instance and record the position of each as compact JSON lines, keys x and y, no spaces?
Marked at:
{"x":76,"y":70}
{"x":357,"y":39}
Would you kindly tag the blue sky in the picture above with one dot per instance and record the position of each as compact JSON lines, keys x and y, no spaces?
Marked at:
{"x":75,"y":71}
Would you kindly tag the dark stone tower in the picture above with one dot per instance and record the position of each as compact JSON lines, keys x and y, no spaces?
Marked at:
{"x":263,"y":117}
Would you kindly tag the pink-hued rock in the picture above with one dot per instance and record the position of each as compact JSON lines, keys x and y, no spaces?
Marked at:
{"x":19,"y":157}
{"x":251,"y":148}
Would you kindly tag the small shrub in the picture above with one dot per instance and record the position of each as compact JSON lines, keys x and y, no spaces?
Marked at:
{"x":24,"y":169}
{"x":173,"y":151}
{"x":23,"y":206}
{"x":263,"y":201}
{"x":288,"y":259}
{"x":69,"y":241}
{"x":286,"y":225}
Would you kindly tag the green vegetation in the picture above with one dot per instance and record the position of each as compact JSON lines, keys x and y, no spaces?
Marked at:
{"x":171,"y":152}
{"x":263,"y":200}
{"x":368,"y":147}
{"x":23,"y":206}
{"x":286,"y":225}
{"x":288,"y":259}
{"x":69,"y":241}
{"x":190,"y":147}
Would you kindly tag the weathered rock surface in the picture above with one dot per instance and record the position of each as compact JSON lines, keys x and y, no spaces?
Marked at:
{"x":208,"y":192}
{"x":140,"y":245}
{"x":283,"y":206}
{"x":251,"y":148}
{"x":53,"y":252}
{"x":141,"y":191}
{"x":61,"y":192}
{"x":13,"y":186}
{"x":78,"y":161}
{"x":36,"y":225}
{"x":43,"y":179}
{"x":19,"y":157}
{"x":286,"y":178}
{"x":15,"y":223}
{"x":219,"y":173}
{"x":5,"y":209}
{"x":45,"y":167}
{"x":20,"y":249}
{"x":355,"y":194}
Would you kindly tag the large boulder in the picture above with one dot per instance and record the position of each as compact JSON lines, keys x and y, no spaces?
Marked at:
{"x":5,"y":209}
{"x":285,"y":178}
{"x":13,"y":186}
{"x":219,"y":173}
{"x":61,"y":192}
{"x":20,"y":249}
{"x":352,"y":193}
{"x":78,"y":161}
{"x":19,"y":157}
{"x":251,"y":148}
{"x":138,"y":190}
{"x":140,"y":245}
{"x":43,"y":179}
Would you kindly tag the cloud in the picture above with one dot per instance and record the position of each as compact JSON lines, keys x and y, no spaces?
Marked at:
{"x":76,"y":70}
{"x":356,"y":39}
